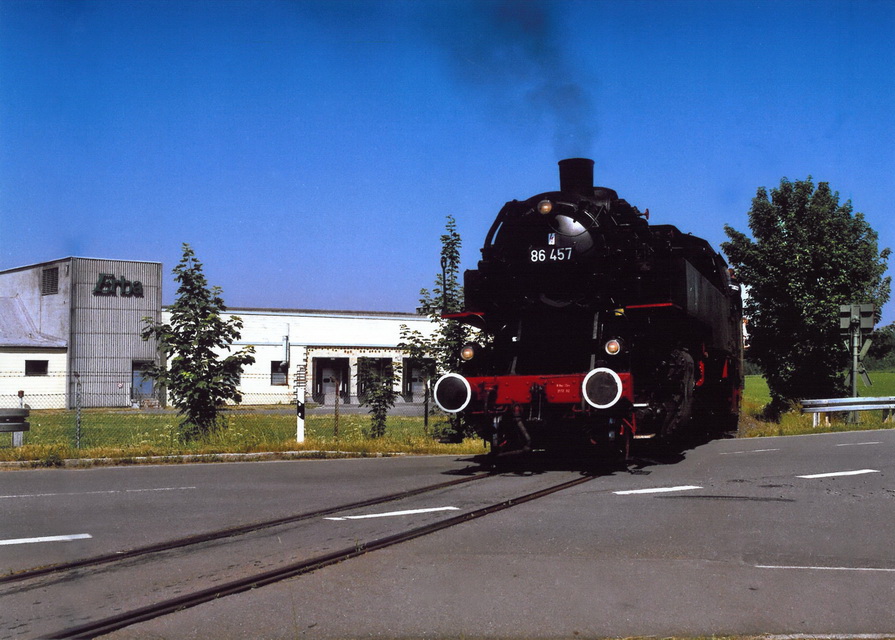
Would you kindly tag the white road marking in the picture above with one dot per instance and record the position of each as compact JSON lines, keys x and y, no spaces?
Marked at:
{"x":856,"y":444}
{"x":69,"y":538}
{"x":92,"y":493}
{"x":656,"y":490}
{"x":835,"y":474}
{"x":733,"y":453}
{"x":809,"y":568}
{"x":833,"y":636}
{"x":391,"y":514}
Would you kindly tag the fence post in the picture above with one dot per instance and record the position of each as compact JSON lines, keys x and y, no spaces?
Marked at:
{"x":18,"y":437}
{"x":77,"y":410}
{"x":300,"y":414}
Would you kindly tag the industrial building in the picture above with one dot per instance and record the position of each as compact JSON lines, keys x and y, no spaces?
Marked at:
{"x":70,"y":333}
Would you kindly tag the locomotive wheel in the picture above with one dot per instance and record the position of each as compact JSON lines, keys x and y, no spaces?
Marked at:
{"x":679,"y":406}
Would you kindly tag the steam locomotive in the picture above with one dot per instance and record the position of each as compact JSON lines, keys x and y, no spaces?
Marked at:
{"x":596,"y":327}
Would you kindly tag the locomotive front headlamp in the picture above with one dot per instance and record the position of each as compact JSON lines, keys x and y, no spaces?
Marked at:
{"x":452,"y":392}
{"x":613,"y":347}
{"x":602,"y":388}
{"x":467,"y":353}
{"x":545,"y":207}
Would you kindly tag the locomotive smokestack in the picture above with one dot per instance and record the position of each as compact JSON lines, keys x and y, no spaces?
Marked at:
{"x":577,"y":175}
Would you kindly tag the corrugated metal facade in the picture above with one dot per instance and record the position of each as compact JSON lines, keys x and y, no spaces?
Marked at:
{"x":107,"y":314}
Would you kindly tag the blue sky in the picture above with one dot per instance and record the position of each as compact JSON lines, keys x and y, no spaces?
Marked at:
{"x":311,"y":151}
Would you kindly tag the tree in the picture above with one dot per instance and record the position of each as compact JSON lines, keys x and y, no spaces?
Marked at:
{"x":882,"y":350}
{"x":419,"y":350}
{"x":449,"y":337}
{"x":808,"y":255}
{"x":379,"y":394}
{"x":198,"y":381}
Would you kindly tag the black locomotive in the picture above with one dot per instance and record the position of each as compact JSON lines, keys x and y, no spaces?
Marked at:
{"x":596,"y":327}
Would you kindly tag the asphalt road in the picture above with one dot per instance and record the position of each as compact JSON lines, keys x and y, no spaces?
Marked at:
{"x":127,"y":507}
{"x":732,"y":537}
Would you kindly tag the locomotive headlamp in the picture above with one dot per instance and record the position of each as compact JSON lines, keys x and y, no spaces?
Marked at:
{"x":467,"y":353}
{"x":613,"y":347}
{"x":452,"y":392}
{"x":601,"y":388}
{"x":545,"y":207}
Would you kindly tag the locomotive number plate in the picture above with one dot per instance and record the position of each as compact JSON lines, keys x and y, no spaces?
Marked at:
{"x":551,"y":254}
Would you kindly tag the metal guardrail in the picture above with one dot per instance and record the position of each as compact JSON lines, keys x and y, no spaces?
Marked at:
{"x":885,"y":403}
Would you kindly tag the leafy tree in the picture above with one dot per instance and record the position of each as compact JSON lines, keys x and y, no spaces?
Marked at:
{"x":882,"y":349}
{"x":808,"y":255}
{"x":419,"y":350}
{"x":379,"y":394}
{"x":198,"y":381}
{"x":450,"y":336}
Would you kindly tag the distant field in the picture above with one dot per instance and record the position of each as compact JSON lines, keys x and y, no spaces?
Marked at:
{"x":756,"y":391}
{"x":883,"y":384}
{"x":756,"y":396}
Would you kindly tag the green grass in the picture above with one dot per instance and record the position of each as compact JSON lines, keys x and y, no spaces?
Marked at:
{"x":756,"y":396}
{"x":128,"y":433}
{"x":756,"y":392}
{"x":883,"y":384}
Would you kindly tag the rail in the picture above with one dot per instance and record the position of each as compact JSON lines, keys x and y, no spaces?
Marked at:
{"x":885,"y":403}
{"x":180,"y":601}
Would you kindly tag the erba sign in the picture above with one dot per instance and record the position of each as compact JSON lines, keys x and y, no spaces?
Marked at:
{"x":108,"y":285}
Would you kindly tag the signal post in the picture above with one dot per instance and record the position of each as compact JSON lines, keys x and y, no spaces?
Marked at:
{"x":856,"y":323}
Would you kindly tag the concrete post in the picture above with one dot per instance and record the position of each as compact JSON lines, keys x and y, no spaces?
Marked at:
{"x":300,"y":414}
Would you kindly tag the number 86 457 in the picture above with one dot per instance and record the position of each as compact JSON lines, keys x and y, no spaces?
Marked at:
{"x":553,"y":254}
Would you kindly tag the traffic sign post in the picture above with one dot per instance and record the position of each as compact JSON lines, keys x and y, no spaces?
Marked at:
{"x":855,"y":323}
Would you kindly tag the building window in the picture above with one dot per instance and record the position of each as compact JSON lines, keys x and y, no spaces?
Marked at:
{"x":278,"y":373}
{"x":142,"y":388}
{"x":49,"y":281}
{"x":37,"y":367}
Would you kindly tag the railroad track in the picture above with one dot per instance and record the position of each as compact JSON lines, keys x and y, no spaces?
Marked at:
{"x":230,"y":532}
{"x":252,"y":580}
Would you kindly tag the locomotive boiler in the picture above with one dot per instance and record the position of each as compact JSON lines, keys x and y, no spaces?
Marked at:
{"x":596,"y":327}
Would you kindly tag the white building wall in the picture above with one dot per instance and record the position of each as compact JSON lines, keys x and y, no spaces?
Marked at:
{"x":316,"y":334}
{"x":40,"y":391}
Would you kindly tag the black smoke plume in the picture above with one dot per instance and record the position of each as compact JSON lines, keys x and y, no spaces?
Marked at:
{"x":512,"y":55}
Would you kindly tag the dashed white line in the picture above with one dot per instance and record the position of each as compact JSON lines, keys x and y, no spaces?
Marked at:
{"x":856,"y":444}
{"x":834,"y":474}
{"x":809,"y":568}
{"x":630,"y":492}
{"x":391,"y":514}
{"x":733,"y":453}
{"x":92,"y":493}
{"x":68,"y":538}
{"x":832,"y":636}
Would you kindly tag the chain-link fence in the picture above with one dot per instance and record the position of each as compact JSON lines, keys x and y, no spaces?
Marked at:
{"x":100,"y":412}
